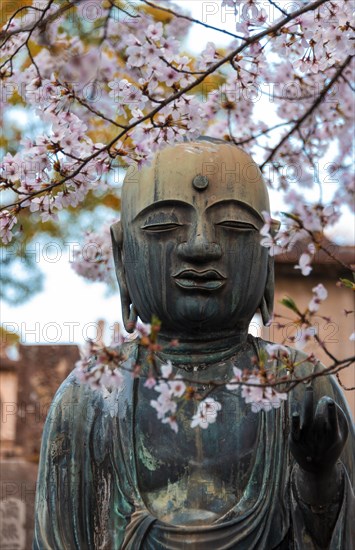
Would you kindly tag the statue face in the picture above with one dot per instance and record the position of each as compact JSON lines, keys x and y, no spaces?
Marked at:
{"x":193,"y":257}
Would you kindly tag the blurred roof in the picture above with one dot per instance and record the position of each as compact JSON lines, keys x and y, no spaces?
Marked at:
{"x":329,"y":260}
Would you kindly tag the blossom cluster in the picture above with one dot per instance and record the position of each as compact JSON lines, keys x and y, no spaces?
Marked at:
{"x":94,"y":260}
{"x":124,"y":88}
{"x":323,"y":33}
{"x":256,"y":392}
{"x":109,"y":91}
{"x":303,"y":222}
{"x":101,"y":368}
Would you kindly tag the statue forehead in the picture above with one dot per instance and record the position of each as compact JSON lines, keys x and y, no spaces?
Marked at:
{"x":198,"y":173}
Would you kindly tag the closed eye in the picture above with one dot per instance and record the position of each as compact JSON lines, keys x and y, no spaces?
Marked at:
{"x":240,"y":226}
{"x":159,"y":227}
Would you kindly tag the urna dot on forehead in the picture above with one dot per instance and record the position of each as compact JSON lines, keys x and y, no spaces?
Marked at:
{"x":215,"y":169}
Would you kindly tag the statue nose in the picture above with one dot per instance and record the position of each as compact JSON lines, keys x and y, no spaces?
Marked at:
{"x":199,"y":249}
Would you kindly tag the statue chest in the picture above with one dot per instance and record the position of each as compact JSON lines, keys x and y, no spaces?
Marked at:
{"x":197,"y":473}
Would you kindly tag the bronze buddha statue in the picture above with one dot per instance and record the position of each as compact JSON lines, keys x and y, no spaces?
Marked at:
{"x":112,"y":476}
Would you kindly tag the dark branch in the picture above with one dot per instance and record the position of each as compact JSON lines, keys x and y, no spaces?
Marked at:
{"x":278,"y":7}
{"x":192,"y":20}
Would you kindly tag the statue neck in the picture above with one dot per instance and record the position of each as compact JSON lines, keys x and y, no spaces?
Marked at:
{"x":204,"y":350}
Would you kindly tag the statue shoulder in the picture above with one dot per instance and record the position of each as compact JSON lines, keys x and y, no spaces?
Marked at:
{"x":74,"y":393}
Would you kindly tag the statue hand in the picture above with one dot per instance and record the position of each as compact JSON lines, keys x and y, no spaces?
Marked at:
{"x":317,"y":444}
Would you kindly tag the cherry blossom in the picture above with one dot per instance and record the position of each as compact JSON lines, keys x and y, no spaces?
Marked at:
{"x":170,"y":387}
{"x":233,"y":383}
{"x":304,"y":335}
{"x":164,"y":404}
{"x":94,"y":259}
{"x":87,"y":82}
{"x":177,"y":387}
{"x":304,"y":264}
{"x":261,"y":397}
{"x":206,"y":413}
{"x":7,"y":222}
{"x":319,"y":295}
{"x":99,"y":367}
{"x":150,"y":382}
{"x":171,"y":420}
{"x":277,"y":350}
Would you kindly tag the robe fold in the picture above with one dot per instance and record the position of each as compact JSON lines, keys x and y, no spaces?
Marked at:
{"x":88,"y":496}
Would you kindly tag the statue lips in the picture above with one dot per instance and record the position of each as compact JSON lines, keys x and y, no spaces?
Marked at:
{"x":190,"y":279}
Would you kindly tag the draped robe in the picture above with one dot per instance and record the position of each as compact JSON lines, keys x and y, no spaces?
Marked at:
{"x":88,"y":492}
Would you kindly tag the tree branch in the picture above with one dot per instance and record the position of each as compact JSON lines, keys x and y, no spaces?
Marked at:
{"x":277,"y":7}
{"x":192,"y":20}
{"x":177,"y":95}
{"x":309,"y":111}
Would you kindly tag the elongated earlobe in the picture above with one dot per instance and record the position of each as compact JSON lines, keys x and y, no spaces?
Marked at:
{"x":267,"y":301}
{"x":128,"y":311}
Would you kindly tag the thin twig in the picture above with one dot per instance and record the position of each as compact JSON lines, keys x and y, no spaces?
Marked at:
{"x":192,"y":20}
{"x":278,"y":7}
{"x":264,"y":132}
{"x":94,"y":111}
{"x":184,"y":71}
{"x":346,"y":388}
{"x":349,"y":83}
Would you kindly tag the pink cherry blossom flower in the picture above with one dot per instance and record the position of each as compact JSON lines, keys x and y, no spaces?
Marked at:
{"x":150,"y":382}
{"x":271,"y":400}
{"x":155,"y":31}
{"x":177,"y":386}
{"x":206,"y":413}
{"x":163,"y":388}
{"x":136,"y":57}
{"x":273,"y":244}
{"x":253,"y":393}
{"x":261,"y":397}
{"x":304,"y":264}
{"x":94,"y":260}
{"x":266,"y":228}
{"x":166,"y":369}
{"x":170,"y":76}
{"x":234,"y":382}
{"x":277,"y":350}
{"x":164,"y":404}
{"x":304,"y":336}
{"x":208,"y":56}
{"x":170,"y":47}
{"x":111,"y":378}
{"x":320,"y":294}
{"x":11,"y":167}
{"x":171,"y":420}
{"x":7,"y":222}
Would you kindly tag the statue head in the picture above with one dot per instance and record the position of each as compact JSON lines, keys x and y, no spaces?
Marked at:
{"x":187,"y":248}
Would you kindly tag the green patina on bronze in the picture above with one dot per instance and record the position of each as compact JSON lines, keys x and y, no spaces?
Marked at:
{"x":114,"y":477}
{"x":149,"y":461}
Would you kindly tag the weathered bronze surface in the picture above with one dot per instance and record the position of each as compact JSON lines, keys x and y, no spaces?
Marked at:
{"x":112,"y":476}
